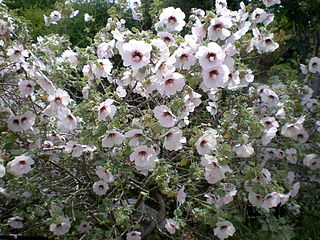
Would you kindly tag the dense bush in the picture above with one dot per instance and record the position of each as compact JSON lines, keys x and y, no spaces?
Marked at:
{"x":157,"y":134}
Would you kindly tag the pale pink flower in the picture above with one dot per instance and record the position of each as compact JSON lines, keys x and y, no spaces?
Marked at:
{"x":207,"y":142}
{"x":270,"y":3}
{"x":106,"y":109}
{"x":87,"y":17}
{"x":211,"y":56}
{"x":2,"y":171}
{"x":20,"y":165}
{"x":17,"y":53}
{"x":258,"y":15}
{"x":224,"y":230}
{"x":219,"y":28}
{"x":84,"y":227}
{"x":244,"y":150}
{"x":105,"y":49}
{"x":166,"y":37}
{"x":184,"y":58}
{"x":269,"y":97}
{"x":59,"y":99}
{"x":27,"y":120}
{"x":172,"y":19}
{"x":71,"y":57}
{"x":26,"y":88}
{"x":112,"y":138}
{"x":134,"y":135}
{"x":228,"y":198}
{"x":102,"y":68}
{"x":181,"y":195}
{"x":134,"y":235}
{"x":216,"y":77}
{"x":212,"y":108}
{"x":104,"y":174}
{"x":269,"y":122}
{"x":171,"y":225}
{"x":144,"y":158}
{"x":170,"y":84}
{"x":291,"y":154}
{"x":55,"y":16}
{"x":164,"y":116}
{"x":74,"y":13}
{"x":314,"y":65}
{"x":62,"y":227}
{"x":174,"y":139}
{"x":136,"y":53}
{"x":68,"y":122}
{"x":312,"y":161}
{"x":16,"y":222}
{"x":100,"y":188}
{"x":214,"y":172}
{"x":271,"y":200}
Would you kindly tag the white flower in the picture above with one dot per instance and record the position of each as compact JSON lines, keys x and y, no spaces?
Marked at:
{"x":214,"y":172}
{"x":226,"y":198}
{"x":84,"y":227}
{"x":59,"y":99}
{"x":224,"y":230}
{"x":172,"y":19}
{"x":171,"y":225}
{"x":181,"y":195}
{"x":136,"y":53}
{"x":121,"y":92}
{"x":312,"y":161}
{"x":16,"y":222}
{"x":271,"y":200}
{"x":174,"y":139}
{"x":17,"y":53}
{"x":144,"y":158}
{"x":244,"y":150}
{"x":170,"y":84}
{"x":164,"y":116}
{"x":2,"y":171}
{"x":292,"y":155}
{"x":211,"y":56}
{"x":255,"y":199}
{"x":216,"y":77}
{"x":184,"y":58}
{"x":55,"y":16}
{"x":134,"y":235}
{"x":71,"y":57}
{"x":314,"y":65}
{"x":270,"y":3}
{"x":61,"y":227}
{"x":112,"y":138}
{"x":26,"y":120}
{"x":267,"y":44}
{"x":100,"y":188}
{"x":105,"y":50}
{"x":104,"y":174}
{"x":87,"y":17}
{"x":134,"y":135}
{"x":20,"y":165}
{"x":106,"y":109}
{"x":212,"y":108}
{"x":26,"y":88}
{"x":207,"y":142}
{"x":258,"y":15}
{"x":102,"y":68}
{"x":270,"y":97}
{"x":74,"y":13}
{"x":68,"y":122}
{"x":218,"y":28}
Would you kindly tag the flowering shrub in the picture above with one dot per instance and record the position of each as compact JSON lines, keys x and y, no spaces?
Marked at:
{"x":155,"y":134}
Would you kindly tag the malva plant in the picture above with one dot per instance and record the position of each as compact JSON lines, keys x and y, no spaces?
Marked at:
{"x":153,"y":134}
